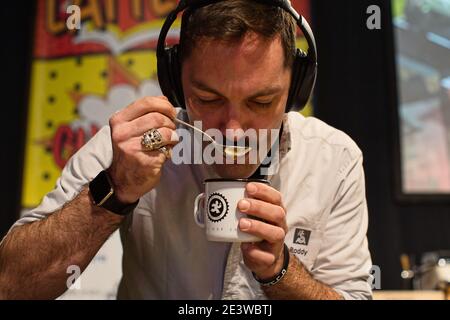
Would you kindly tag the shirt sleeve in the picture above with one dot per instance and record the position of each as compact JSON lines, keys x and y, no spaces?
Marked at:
{"x":82,"y":167}
{"x":344,"y":261}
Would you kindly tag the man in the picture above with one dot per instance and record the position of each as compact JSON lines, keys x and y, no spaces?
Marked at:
{"x":236,"y":75}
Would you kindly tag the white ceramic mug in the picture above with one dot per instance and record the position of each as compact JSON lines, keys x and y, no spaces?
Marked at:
{"x":216,"y":210}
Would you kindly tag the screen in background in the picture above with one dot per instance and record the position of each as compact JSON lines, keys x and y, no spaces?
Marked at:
{"x":422,"y":40}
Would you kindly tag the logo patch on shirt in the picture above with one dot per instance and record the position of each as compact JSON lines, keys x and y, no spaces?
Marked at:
{"x":301,"y":236}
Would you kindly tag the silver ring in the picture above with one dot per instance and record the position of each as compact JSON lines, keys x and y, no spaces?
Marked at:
{"x":152,"y":140}
{"x":166,"y":151}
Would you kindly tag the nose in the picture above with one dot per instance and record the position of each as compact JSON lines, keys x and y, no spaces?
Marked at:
{"x":234,"y":122}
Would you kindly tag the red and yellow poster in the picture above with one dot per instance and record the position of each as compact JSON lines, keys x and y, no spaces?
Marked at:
{"x":79,"y":78}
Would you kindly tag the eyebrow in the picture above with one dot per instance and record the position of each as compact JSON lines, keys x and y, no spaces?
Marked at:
{"x":262,"y":93}
{"x":201,"y":86}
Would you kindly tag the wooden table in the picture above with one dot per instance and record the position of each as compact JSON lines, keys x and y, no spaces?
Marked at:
{"x":408,"y":295}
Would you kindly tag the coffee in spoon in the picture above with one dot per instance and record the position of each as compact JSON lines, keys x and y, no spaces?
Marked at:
{"x":232,"y":151}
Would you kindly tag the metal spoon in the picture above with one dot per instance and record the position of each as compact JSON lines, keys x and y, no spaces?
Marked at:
{"x":233,"y":151}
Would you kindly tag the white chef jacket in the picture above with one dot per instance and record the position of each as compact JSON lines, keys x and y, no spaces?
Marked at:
{"x":166,"y":255}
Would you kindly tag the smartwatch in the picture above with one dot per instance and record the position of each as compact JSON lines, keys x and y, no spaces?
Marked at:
{"x":102,"y":193}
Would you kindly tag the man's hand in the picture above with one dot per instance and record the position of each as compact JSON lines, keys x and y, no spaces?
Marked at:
{"x":264,"y":258}
{"x":135,"y":171}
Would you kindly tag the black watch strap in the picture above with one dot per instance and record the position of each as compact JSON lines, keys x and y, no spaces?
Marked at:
{"x":102,"y":193}
{"x":274,"y":280}
{"x":115,"y":206}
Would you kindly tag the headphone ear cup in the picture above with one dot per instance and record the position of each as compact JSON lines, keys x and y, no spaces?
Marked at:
{"x":169,"y":76}
{"x":302,"y":84}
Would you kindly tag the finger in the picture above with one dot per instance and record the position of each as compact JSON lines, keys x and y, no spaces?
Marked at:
{"x":166,"y":154}
{"x":134,"y":144}
{"x":153,"y":160}
{"x":264,"y":210}
{"x":144,"y":106}
{"x":169,"y":138}
{"x":167,"y":151}
{"x":149,"y":121}
{"x":265,"y":231}
{"x":264,"y":192}
{"x":257,"y":258}
{"x":148,"y":162}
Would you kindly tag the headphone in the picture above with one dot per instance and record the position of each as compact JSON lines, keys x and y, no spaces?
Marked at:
{"x":304,"y":69}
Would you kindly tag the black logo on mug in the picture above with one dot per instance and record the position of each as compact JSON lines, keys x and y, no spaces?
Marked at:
{"x":217,"y":207}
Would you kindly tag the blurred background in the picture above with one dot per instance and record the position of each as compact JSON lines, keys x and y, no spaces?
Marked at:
{"x":384,"y":79}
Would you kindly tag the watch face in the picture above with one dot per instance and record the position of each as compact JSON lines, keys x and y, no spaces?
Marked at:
{"x":100,"y":188}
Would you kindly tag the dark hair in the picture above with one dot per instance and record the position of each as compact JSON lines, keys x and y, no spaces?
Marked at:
{"x":231,"y":20}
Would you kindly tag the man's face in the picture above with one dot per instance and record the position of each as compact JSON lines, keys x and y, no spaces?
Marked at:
{"x":236,"y":86}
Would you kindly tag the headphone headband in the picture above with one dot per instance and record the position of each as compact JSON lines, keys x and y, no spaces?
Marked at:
{"x":304,"y":68}
{"x":196,"y":4}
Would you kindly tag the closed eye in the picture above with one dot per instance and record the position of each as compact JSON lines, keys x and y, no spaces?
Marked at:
{"x":262,"y":104}
{"x":208,"y":101}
